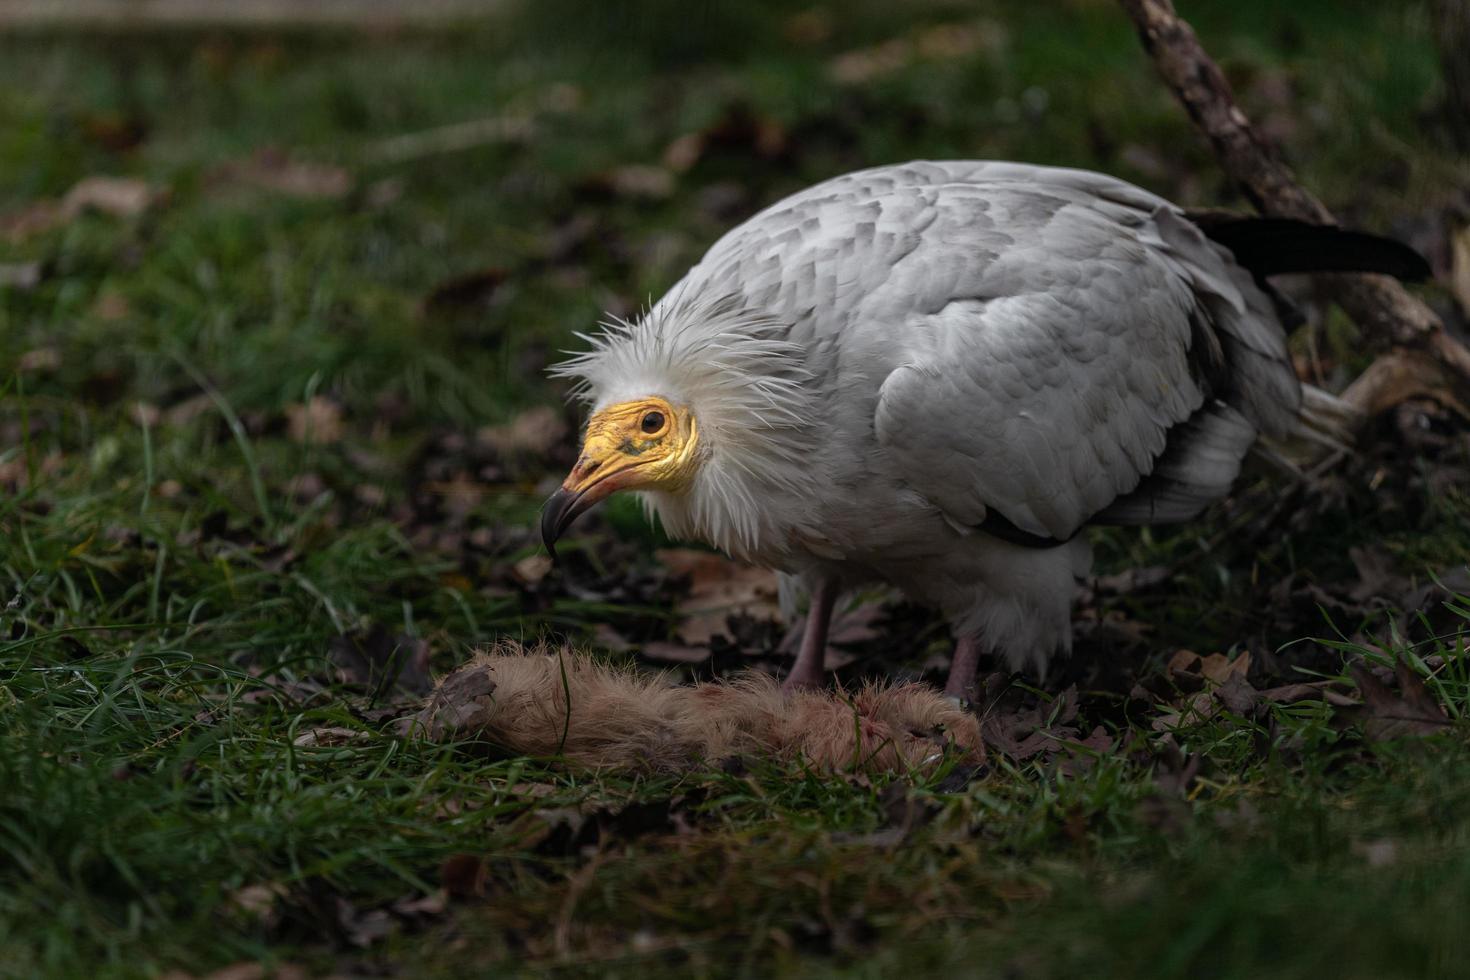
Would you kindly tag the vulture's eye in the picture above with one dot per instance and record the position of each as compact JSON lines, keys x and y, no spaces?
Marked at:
{"x":652,"y":422}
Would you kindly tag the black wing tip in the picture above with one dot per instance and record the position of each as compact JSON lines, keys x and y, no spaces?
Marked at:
{"x":1277,"y":246}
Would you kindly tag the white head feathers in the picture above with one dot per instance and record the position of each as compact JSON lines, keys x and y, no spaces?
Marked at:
{"x":750,"y":394}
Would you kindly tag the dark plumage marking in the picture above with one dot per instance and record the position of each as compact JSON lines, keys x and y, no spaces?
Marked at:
{"x":996,"y":525}
{"x":1276,"y":246}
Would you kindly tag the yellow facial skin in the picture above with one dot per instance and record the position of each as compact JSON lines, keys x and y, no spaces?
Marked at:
{"x":643,"y":444}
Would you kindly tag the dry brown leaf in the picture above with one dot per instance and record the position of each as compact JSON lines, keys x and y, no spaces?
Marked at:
{"x":1184,"y":662}
{"x":1237,"y":695}
{"x":120,"y":197}
{"x":1042,"y":728}
{"x":718,"y":589}
{"x":1411,"y":711}
{"x":1193,"y":709}
{"x":1219,"y":668}
{"x":531,"y":569}
{"x":1292,"y":693}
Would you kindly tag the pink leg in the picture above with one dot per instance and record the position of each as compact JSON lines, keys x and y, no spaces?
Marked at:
{"x":963,"y":667}
{"x":807,"y":671}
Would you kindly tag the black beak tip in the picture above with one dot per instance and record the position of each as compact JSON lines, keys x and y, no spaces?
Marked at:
{"x":556,"y":515}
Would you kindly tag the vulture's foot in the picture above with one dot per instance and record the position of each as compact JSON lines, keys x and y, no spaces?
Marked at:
{"x":963,"y":668}
{"x":810,"y":659}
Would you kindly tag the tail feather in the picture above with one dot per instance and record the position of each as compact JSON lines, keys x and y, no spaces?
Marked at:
{"x":1274,"y":246}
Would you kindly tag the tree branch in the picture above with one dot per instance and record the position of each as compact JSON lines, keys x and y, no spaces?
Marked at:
{"x":1384,"y":310}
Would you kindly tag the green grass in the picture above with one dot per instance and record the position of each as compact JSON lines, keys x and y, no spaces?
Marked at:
{"x":170,"y":589}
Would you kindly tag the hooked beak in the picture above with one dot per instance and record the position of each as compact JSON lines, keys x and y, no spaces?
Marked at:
{"x":589,"y":482}
{"x":558,"y":513}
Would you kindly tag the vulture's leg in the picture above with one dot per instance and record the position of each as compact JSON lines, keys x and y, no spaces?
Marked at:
{"x":963,"y":667}
{"x":807,"y":671}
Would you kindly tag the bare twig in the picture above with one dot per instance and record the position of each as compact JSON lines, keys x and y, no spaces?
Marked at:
{"x":1378,"y":304}
{"x":454,"y":138}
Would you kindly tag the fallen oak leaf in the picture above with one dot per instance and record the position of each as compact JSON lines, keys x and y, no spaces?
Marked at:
{"x":718,"y":589}
{"x":461,"y":706}
{"x":1412,"y":711}
{"x":1237,"y":696}
{"x":1292,"y":693}
{"x":1219,"y":668}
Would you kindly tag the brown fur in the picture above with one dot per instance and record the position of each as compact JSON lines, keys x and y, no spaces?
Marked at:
{"x":516,"y":699}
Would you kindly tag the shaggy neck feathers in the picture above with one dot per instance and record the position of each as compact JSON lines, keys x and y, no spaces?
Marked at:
{"x":750,"y":393}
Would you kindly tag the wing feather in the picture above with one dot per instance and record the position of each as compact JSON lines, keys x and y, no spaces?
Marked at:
{"x":1115,"y":341}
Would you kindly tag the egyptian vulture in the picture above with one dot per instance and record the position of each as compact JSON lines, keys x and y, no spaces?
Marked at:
{"x":937,"y":374}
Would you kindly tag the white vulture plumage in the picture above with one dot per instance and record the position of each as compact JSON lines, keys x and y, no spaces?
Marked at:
{"x":936,"y":374}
